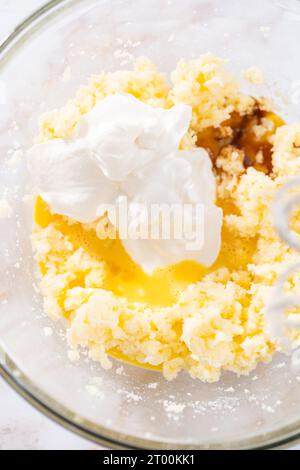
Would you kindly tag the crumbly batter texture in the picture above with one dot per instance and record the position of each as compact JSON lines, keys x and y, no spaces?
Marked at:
{"x":212,"y":319}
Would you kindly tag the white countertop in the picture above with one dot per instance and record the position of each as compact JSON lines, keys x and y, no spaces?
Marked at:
{"x":21,"y":426}
{"x":24,"y":428}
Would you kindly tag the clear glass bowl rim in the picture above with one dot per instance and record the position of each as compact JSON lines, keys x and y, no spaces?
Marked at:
{"x":13,"y":375}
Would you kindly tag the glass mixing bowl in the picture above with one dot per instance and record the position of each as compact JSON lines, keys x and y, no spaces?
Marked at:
{"x":42,"y":64}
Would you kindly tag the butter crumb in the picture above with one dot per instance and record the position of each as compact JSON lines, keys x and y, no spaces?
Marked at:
{"x":73,"y":355}
{"x":120,"y":370}
{"x":94,"y":391}
{"x":153,"y":385}
{"x":48,"y":331}
{"x":6,"y":211}
{"x":66,"y":77}
{"x":265,"y":30}
{"x":254,"y":76}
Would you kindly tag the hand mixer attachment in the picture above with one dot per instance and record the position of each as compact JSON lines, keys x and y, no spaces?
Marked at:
{"x":286,"y":201}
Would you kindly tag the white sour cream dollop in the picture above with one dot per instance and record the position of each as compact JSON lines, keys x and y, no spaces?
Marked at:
{"x":124,"y":148}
